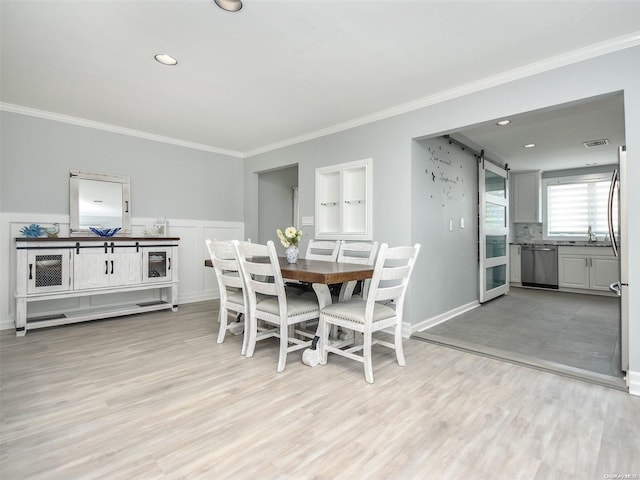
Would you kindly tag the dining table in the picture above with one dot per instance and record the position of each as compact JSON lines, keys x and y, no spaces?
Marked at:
{"x":320,"y":274}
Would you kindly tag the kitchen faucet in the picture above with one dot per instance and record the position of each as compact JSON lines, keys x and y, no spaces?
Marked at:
{"x":592,"y":237}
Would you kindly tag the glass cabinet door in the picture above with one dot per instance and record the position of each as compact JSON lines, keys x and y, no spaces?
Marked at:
{"x":156,"y":266}
{"x":48,"y":271}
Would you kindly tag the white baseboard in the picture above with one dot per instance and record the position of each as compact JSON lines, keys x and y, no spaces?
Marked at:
{"x":443,"y":317}
{"x":633,"y":381}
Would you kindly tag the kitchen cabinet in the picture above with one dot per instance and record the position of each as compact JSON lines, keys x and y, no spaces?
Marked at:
{"x":587,"y":268}
{"x":527,"y":198}
{"x":343,"y":203}
{"x":515,"y":276}
{"x":54,"y":269}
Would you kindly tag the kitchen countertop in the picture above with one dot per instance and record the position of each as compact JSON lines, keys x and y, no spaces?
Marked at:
{"x":565,"y":244}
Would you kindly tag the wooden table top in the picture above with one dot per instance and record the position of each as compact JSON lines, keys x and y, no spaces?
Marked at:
{"x":318,"y":271}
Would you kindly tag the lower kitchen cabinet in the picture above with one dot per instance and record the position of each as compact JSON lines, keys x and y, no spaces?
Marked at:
{"x":582,"y":268}
{"x":515,"y":269}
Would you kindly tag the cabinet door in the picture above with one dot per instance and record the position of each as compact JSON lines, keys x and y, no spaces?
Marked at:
{"x":48,"y":271}
{"x":125,"y":266}
{"x":156,"y":264}
{"x":526,"y":197}
{"x":603,"y":272}
{"x":515,"y":269}
{"x":90,"y":268}
{"x":573,"y":271}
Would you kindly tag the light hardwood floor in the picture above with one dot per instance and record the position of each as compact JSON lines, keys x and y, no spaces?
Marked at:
{"x":154,"y":396}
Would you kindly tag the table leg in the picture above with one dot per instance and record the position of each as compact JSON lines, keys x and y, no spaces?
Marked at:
{"x":311,"y":356}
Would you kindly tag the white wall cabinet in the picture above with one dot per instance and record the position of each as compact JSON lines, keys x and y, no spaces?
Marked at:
{"x":587,"y":268}
{"x":527,"y":197}
{"x":344,"y":201}
{"x":58,"y":268}
{"x":515,"y":268}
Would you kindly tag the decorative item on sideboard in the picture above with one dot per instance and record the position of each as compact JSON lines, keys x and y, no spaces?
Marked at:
{"x":161,"y":226}
{"x":105,"y":232}
{"x":32,"y":231}
{"x":52,"y":231}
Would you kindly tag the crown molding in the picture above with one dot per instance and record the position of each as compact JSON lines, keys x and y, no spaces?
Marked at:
{"x":9,"y":107}
{"x":591,"y":51}
{"x":551,"y":63}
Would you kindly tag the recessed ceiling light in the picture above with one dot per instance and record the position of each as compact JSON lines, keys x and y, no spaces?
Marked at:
{"x":165,"y":59}
{"x":529,"y":145}
{"x":502,"y":123}
{"x":591,"y":164}
{"x":229,"y":5}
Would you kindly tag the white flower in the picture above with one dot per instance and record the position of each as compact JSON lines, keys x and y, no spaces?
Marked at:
{"x":290,"y":237}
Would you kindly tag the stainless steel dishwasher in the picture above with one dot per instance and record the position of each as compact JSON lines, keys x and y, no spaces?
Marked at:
{"x":539,"y":265}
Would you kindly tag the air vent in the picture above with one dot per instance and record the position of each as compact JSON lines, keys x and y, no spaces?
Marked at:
{"x":596,"y":143}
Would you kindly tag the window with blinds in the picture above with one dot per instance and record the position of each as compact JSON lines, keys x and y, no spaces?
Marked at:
{"x":572,"y":206}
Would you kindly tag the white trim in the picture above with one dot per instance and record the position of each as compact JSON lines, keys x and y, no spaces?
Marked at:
{"x":595,"y":50}
{"x":442,"y":317}
{"x":58,"y":117}
{"x":633,"y":381}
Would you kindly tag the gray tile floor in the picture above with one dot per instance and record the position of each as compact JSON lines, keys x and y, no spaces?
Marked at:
{"x":569,"y":333}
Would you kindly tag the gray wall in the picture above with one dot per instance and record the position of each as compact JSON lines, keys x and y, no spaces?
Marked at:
{"x":389,"y":142}
{"x":275,"y":210}
{"x":444,"y":184}
{"x":166,"y":180}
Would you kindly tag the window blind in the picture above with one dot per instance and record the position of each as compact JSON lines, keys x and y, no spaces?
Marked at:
{"x":574,"y":207}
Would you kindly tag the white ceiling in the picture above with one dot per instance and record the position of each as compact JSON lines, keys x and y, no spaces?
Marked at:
{"x":559,"y":134}
{"x":278,"y":71}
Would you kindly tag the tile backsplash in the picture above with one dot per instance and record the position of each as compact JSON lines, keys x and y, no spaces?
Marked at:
{"x":527,"y":232}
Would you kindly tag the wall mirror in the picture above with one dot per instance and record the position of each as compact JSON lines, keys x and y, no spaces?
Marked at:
{"x":99,"y":200}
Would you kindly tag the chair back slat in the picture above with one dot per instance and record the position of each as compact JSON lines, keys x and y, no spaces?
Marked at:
{"x":325,"y":250}
{"x":260,"y":269}
{"x":357,"y":252}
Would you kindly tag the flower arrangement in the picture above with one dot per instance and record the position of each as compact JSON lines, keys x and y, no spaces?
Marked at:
{"x":290,"y":237}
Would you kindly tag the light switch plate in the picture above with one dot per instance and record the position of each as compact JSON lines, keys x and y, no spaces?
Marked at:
{"x":451,"y":225}
{"x":462,"y":223}
{"x":307,"y":221}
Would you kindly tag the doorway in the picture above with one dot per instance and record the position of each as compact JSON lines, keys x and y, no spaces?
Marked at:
{"x":573,"y":334}
{"x":277,"y":202}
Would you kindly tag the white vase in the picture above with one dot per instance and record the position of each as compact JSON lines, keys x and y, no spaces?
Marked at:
{"x":292,"y":254}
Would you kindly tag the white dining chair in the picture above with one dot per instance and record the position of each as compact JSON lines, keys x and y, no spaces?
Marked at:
{"x":391,"y":276}
{"x":230,"y":286}
{"x":269,"y":303}
{"x":326,"y":250}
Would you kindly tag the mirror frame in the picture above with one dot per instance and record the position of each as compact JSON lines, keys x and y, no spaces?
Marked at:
{"x":74,"y":212}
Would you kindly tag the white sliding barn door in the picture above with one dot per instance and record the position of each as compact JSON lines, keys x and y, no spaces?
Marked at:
{"x":493,"y":209}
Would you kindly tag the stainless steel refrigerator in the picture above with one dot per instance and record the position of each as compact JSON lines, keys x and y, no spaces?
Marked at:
{"x":620,"y":245}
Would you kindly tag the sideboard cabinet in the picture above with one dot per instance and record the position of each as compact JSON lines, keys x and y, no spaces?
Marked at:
{"x":59,"y":268}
